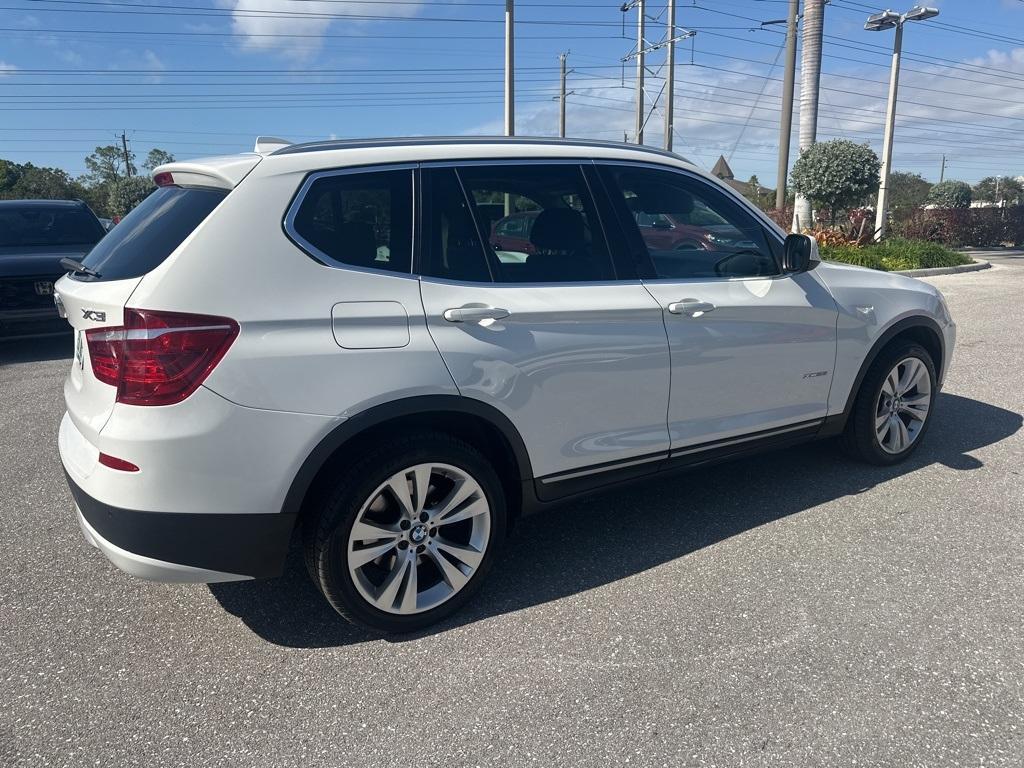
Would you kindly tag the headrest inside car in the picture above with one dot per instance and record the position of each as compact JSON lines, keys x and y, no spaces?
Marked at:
{"x":654,"y":197}
{"x":558,"y":229}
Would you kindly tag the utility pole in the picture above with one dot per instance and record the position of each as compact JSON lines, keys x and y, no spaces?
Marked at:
{"x":561,"y":96}
{"x":510,"y":63}
{"x":786,"y":124}
{"x":670,"y":74}
{"x":129,"y":171}
{"x":810,"y":81}
{"x":942,"y":170}
{"x":640,"y":55}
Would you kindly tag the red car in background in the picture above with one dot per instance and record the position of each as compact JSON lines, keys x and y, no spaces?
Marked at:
{"x":660,"y":231}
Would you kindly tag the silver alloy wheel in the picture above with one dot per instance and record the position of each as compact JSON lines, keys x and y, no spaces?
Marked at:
{"x":903,"y":404}
{"x":419,"y":538}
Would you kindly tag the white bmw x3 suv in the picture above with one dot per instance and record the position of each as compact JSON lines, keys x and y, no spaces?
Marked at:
{"x":394,"y":348}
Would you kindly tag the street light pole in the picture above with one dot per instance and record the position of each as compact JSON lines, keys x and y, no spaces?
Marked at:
{"x":882,"y":212}
{"x":877,"y":23}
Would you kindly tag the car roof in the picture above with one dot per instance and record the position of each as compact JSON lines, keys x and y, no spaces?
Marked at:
{"x":41,"y":204}
{"x":350,"y":153}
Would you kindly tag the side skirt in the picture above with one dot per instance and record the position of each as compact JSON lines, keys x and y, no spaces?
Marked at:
{"x":566,"y":486}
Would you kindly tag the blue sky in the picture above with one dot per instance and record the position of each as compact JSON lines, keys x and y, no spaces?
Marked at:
{"x":199,"y":77}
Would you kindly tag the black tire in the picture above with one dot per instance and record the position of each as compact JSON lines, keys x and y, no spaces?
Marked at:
{"x":859,"y":438}
{"x":326,"y":533}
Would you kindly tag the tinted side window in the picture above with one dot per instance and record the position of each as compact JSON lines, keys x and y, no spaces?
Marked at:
{"x":362,"y":219}
{"x":689,"y":228}
{"x":451,"y":245}
{"x":153,"y":229}
{"x":559,"y":238}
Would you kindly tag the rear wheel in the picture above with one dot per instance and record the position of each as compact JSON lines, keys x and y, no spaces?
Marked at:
{"x":892,"y":409}
{"x":407,"y":534}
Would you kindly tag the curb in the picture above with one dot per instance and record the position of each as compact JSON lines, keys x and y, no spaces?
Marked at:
{"x":976,"y":266}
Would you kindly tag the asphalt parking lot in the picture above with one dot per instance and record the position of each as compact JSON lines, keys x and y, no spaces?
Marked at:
{"x":792,"y":609}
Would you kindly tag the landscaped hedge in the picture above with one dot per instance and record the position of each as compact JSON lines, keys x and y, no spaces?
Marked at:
{"x":959,"y":227}
{"x":955,"y":227}
{"x":895,"y":255}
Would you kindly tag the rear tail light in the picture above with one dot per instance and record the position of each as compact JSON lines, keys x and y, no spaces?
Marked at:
{"x":159,"y":358}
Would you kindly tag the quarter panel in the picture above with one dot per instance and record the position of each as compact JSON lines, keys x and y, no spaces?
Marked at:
{"x":240,"y":264}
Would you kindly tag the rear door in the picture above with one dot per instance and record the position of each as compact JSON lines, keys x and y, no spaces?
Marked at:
{"x":571,"y":349}
{"x":94,"y":304}
{"x":752,"y":349}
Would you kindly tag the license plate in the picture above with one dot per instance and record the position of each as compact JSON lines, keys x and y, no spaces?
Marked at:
{"x":79,"y":354}
{"x":44,"y":288}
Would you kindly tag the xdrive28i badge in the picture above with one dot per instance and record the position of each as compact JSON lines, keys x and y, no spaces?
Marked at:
{"x":94,"y":314}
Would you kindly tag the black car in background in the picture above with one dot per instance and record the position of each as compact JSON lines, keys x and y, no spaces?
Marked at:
{"x":34,"y":236}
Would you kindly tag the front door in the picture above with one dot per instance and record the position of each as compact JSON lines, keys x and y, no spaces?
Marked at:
{"x":752,"y":349}
{"x":551,"y":336}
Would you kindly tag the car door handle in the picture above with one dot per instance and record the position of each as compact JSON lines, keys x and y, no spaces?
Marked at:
{"x":471,"y":314}
{"x":691,"y":307}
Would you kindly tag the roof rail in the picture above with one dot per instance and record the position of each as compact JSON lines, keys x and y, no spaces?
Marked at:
{"x":266,"y":145}
{"x":317,"y":146}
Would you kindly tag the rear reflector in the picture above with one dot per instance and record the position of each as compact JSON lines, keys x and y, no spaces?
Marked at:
{"x":159,"y":358}
{"x":115,"y":463}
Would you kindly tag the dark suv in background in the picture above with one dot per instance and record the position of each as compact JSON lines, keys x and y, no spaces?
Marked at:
{"x":34,"y":236}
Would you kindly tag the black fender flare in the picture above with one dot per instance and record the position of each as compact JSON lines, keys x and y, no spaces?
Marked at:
{"x":409,"y":406}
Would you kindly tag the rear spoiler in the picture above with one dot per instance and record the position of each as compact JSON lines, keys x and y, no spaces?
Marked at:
{"x":220,"y":172}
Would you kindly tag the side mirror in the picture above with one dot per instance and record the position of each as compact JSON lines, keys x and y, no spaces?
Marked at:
{"x":800,"y":254}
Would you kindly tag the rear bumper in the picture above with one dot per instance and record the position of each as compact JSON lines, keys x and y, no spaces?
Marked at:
{"x":184,"y":547}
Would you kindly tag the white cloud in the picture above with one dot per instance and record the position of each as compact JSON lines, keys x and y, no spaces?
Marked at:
{"x":7,"y":69}
{"x":154,"y":63}
{"x":310,"y":19}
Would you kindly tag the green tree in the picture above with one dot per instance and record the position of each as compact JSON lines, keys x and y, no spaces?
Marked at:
{"x":950,"y":194}
{"x":836,"y":174}
{"x":157,"y":157}
{"x":907,"y":190}
{"x":31,"y":182}
{"x":125,"y":194}
{"x":758,"y":195}
{"x":106,"y":165}
{"x":10,"y":172}
{"x":1002,"y":190}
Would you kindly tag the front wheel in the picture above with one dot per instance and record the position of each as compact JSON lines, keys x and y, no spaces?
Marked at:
{"x":893,"y":407}
{"x":408,"y":533}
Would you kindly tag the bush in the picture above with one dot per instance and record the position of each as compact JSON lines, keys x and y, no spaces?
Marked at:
{"x":836,"y":175}
{"x":964,"y":226}
{"x":894,"y":255}
{"x":950,"y":194}
{"x":781,"y":216}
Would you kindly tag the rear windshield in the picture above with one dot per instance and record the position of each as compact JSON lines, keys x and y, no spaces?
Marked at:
{"x":39,"y":225}
{"x":141,"y":241}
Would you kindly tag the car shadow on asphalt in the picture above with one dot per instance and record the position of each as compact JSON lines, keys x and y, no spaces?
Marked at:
{"x":59,"y":347}
{"x":569,"y":550}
